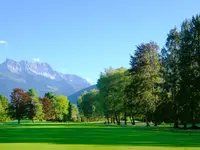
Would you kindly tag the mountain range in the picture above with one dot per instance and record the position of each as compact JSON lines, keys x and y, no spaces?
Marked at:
{"x":38,"y":75}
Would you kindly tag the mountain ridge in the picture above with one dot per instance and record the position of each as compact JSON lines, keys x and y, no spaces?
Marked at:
{"x":39,"y":75}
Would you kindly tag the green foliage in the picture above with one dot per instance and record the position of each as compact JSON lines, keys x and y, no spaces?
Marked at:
{"x":181,"y":72}
{"x":90,"y":106}
{"x":189,"y":66}
{"x":32,"y":92}
{"x":111,"y":87}
{"x":170,"y":78}
{"x":73,"y":112}
{"x":61,"y":104}
{"x":145,"y":67}
{"x":37,"y":110}
{"x":3,"y":108}
{"x":50,"y":96}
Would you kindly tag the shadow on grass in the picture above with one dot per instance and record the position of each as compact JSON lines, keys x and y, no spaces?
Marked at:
{"x":96,"y":134}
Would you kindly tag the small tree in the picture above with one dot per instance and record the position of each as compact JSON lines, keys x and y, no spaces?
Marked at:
{"x":36,"y":112}
{"x":61,"y":104}
{"x":3,"y":108}
{"x":47,"y":108}
{"x":73,"y":112}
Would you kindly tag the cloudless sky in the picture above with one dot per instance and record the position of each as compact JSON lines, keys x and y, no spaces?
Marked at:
{"x":85,"y":36}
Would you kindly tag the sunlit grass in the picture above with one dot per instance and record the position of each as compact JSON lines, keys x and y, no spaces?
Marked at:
{"x":39,"y":146}
{"x":66,"y":136}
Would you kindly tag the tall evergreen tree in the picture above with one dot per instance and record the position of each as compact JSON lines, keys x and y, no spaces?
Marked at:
{"x":145,"y":66}
{"x":190,"y":71}
{"x":170,"y":74}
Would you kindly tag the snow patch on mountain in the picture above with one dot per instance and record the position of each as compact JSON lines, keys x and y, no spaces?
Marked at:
{"x":88,"y":80}
{"x":45,"y":74}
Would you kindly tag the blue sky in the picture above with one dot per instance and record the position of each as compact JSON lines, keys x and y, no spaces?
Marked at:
{"x":85,"y":36}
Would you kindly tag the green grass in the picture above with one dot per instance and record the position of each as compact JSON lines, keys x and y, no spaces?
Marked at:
{"x":61,"y":136}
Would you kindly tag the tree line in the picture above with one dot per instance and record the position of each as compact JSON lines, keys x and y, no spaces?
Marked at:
{"x":28,"y":105}
{"x":161,"y":85}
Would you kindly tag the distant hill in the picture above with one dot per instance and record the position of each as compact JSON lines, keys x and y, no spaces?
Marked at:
{"x":38,"y":75}
{"x":73,"y":98}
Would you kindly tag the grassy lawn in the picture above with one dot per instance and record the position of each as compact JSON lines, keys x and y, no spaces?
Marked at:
{"x":60,"y":136}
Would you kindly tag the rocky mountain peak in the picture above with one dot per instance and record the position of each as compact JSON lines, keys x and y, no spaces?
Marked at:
{"x":33,"y":68}
{"x":39,"y":75}
{"x":39,"y":69}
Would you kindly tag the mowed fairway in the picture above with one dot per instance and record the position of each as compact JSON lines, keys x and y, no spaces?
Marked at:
{"x":95,"y":136}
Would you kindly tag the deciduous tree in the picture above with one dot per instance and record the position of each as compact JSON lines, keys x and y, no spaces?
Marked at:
{"x":37,"y":109}
{"x":61,"y":104}
{"x":20,"y":104}
{"x":3,"y":108}
{"x":73,"y":112}
{"x":47,"y":108}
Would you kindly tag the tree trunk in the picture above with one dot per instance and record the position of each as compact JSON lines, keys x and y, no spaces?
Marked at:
{"x":108,"y":120}
{"x":114,"y":120}
{"x":185,"y":125}
{"x":133,"y":120}
{"x":147,"y":122}
{"x":176,"y":125}
{"x":18,"y":121}
{"x":193,"y":125}
{"x":118,"y":121}
{"x":155,"y":123}
{"x":125,"y":119}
